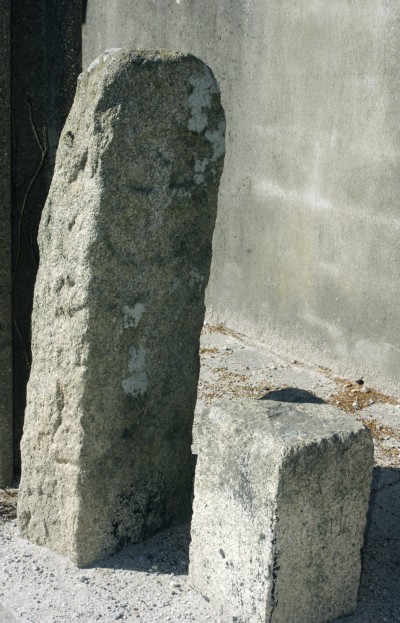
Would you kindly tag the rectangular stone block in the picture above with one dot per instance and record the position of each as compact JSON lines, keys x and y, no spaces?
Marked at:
{"x":6,"y":341}
{"x":281,"y":496}
{"x":125,"y":245}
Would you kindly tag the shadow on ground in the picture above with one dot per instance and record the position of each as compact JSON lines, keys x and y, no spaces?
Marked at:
{"x":293,"y":394}
{"x":379,"y":596}
{"x":166,"y":552}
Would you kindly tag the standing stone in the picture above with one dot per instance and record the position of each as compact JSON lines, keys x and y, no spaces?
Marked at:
{"x":125,"y":244}
{"x":281,"y":497}
{"x":6,"y":407}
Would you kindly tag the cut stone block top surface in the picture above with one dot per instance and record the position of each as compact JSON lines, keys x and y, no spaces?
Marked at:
{"x":254,"y":439}
{"x":125,"y":250}
{"x":279,"y":427}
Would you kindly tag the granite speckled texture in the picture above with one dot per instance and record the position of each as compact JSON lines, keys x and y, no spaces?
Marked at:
{"x":125,"y":244}
{"x":281,"y":497}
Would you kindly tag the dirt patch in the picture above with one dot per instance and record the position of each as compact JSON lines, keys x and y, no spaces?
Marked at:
{"x":383,"y":434}
{"x":209,"y":351}
{"x":354,"y":396}
{"x":219,"y":328}
{"x":227,"y":384}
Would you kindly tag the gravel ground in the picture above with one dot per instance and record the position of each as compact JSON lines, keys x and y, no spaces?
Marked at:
{"x":148,"y":582}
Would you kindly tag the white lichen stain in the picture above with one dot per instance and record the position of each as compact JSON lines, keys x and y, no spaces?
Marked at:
{"x":180,"y":193}
{"x":133,"y":315}
{"x":110,"y":51}
{"x":200,"y":165}
{"x":93,"y":64}
{"x":199,"y":168}
{"x":217,"y":140}
{"x":137,"y":383}
{"x":195,"y":279}
{"x":201,"y":97}
{"x":103,"y":57}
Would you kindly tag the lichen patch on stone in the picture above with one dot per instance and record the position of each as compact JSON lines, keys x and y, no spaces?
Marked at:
{"x":94,"y":64}
{"x":201,"y":97}
{"x":195,"y":279}
{"x":199,"y":168}
{"x":200,"y":165}
{"x":137,"y":383}
{"x":217,"y":139}
{"x":110,"y":51}
{"x":132,"y":315}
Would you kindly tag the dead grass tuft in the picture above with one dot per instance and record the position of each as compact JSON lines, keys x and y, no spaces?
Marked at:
{"x":219,"y":328}
{"x":209,"y":351}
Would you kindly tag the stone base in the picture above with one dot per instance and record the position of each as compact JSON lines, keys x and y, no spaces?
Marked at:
{"x":281,"y":497}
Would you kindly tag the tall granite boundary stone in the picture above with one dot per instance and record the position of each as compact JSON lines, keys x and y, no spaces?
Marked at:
{"x":6,"y":355}
{"x":125,"y":245}
{"x":280,"y":505}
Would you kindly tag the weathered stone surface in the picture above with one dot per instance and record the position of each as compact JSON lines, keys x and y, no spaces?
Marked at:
{"x":125,"y":243}
{"x":281,"y":496}
{"x":6,"y":407}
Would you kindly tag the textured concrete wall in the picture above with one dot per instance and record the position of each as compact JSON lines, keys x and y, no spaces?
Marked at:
{"x":306,"y":251}
{"x":6,"y":423}
{"x":46,"y":60}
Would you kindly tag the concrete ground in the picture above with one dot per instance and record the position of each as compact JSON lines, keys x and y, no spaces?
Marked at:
{"x":148,"y":582}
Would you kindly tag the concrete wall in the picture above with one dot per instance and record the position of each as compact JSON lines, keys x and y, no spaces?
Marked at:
{"x":46,"y":60}
{"x":306,"y":251}
{"x":6,"y":418}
